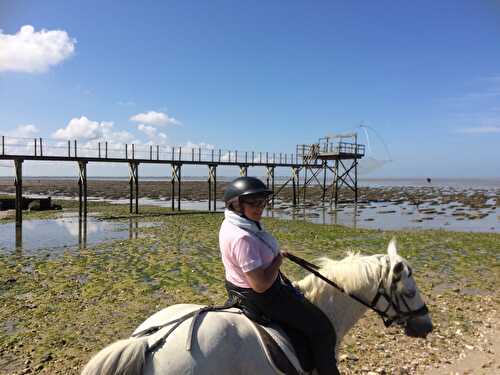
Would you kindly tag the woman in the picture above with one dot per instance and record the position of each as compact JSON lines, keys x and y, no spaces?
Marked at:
{"x":252,"y":261}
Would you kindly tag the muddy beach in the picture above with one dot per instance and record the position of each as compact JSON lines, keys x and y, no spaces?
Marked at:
{"x":383,"y":207}
{"x":459,"y":200}
{"x":56,"y":311}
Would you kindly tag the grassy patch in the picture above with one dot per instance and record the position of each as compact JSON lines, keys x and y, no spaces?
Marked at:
{"x":55,"y":313}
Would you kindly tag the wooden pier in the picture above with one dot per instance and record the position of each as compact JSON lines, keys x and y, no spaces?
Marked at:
{"x":327,"y":155}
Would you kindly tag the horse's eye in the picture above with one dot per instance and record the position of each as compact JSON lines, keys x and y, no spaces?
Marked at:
{"x":410,"y":271}
{"x":410,"y":293}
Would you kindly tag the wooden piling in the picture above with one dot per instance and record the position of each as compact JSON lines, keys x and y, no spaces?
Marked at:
{"x":176,"y":176}
{"x":18,"y":164}
{"x":134,"y":187}
{"x":82,"y":189}
{"x":19,"y":238}
{"x":137,"y":188}
{"x":212,"y":181}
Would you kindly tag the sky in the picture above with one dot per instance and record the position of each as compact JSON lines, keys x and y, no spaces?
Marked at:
{"x":253,"y":75}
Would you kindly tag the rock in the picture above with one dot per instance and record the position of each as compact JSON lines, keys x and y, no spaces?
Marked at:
{"x":47,"y":357}
{"x":350,"y":357}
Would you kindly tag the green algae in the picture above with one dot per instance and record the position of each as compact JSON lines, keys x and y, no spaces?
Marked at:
{"x":67,"y":308}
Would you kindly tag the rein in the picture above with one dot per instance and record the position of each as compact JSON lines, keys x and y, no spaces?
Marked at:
{"x":401,"y":315}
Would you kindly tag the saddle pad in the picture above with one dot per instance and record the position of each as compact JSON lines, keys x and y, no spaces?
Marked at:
{"x":272,"y":335}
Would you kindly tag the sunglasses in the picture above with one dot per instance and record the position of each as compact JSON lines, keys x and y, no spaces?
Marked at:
{"x":259,"y":203}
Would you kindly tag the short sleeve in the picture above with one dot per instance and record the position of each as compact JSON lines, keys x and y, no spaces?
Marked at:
{"x":246,"y":253}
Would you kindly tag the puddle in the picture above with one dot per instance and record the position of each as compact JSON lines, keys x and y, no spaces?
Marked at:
{"x":10,"y":327}
{"x":54,"y":236}
{"x":394,"y":217}
{"x":373,"y":215}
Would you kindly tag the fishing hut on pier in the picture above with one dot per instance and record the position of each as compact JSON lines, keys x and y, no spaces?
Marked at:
{"x":336,"y":155}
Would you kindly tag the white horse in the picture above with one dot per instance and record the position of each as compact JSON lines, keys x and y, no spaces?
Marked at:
{"x":226,"y":342}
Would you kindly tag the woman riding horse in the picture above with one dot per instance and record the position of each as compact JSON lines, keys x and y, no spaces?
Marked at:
{"x":252,"y":260}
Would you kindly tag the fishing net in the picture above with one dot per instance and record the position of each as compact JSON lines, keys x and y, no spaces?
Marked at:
{"x":377,"y":153}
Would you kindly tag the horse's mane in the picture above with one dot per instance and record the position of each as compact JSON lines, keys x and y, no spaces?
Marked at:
{"x":353,"y":273}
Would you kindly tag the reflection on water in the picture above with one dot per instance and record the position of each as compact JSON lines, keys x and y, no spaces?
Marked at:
{"x":57,"y":235}
{"x":390,"y":216}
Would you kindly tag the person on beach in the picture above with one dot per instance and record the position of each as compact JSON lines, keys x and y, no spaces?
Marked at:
{"x":252,"y":260}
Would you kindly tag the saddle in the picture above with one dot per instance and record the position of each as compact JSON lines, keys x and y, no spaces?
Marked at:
{"x":284,"y":346}
{"x":286,"y":352}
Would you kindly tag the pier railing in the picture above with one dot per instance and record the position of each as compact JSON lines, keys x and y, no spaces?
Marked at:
{"x":42,"y":147}
{"x":311,"y":154}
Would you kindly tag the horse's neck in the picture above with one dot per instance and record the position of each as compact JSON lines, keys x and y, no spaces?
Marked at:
{"x":342,"y":310}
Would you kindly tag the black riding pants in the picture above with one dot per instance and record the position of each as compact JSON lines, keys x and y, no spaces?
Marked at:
{"x":284,"y":305}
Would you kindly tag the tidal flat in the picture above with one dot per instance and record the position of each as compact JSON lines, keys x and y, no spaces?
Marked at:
{"x":56,"y":312}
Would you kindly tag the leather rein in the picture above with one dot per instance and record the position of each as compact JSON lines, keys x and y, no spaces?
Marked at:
{"x":393,"y":300}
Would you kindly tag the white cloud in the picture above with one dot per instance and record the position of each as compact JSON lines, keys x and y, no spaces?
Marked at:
{"x":202,"y":145}
{"x":154,"y":137}
{"x":155,"y":118}
{"x":481,"y":130}
{"x":120,"y":136}
{"x":23,"y":131}
{"x":83,"y":128}
{"x":34,"y":51}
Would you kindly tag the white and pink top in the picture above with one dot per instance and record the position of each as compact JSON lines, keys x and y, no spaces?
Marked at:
{"x":242,"y":251}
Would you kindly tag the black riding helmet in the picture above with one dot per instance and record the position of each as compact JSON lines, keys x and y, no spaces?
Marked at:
{"x":243,"y":186}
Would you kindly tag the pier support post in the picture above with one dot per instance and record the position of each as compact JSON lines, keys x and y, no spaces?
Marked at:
{"x":295,"y":177}
{"x":336,"y":182}
{"x":324,"y":187}
{"x":305,"y":185}
{"x":243,"y":170}
{"x":176,"y":176}
{"x":18,"y":164}
{"x":134,"y":187}
{"x":19,"y":239}
{"x":270,"y":176}
{"x":212,"y":186}
{"x":82,"y":233}
{"x":82,"y":189}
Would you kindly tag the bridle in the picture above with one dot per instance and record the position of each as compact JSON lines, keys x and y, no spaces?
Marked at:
{"x":393,"y":299}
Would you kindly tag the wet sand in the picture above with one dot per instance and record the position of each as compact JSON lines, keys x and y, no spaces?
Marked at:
{"x":390,"y":207}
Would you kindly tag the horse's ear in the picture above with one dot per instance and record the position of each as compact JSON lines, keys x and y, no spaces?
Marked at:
{"x":391,"y":249}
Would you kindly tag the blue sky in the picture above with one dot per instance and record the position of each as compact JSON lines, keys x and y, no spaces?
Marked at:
{"x":261,"y":76}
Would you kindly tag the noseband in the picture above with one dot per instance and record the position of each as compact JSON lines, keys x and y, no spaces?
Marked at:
{"x":393,"y":299}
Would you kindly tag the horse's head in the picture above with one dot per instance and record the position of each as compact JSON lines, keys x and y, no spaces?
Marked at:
{"x":402,"y":302}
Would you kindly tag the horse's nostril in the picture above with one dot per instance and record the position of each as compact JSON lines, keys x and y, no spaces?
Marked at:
{"x":418,"y":327}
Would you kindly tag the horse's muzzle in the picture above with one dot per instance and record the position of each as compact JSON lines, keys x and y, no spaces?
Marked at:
{"x":419,"y":326}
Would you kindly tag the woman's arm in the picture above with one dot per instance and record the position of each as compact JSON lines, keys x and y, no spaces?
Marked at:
{"x":261,"y":279}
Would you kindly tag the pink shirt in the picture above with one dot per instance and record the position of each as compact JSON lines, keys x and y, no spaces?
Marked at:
{"x":241,"y":252}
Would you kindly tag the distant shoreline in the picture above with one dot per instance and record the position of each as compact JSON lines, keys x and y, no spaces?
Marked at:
{"x":455,"y":182}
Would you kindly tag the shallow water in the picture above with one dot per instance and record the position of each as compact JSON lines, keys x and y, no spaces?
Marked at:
{"x":54,"y":236}
{"x":387,"y":216}
{"x":375,"y":215}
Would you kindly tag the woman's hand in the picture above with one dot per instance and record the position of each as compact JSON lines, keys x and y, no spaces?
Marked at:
{"x":261,"y":279}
